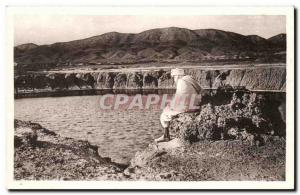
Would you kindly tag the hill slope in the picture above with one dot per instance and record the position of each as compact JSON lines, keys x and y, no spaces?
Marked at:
{"x":178,"y":44}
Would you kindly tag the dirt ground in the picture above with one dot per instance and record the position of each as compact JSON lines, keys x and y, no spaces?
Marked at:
{"x":228,"y":160}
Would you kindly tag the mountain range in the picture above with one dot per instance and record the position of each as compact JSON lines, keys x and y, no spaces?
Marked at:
{"x":162,"y":44}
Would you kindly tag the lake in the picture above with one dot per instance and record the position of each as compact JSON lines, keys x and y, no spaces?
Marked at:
{"x":118,"y":133}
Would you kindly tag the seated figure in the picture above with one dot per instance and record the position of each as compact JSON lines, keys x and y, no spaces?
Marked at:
{"x":186,"y":99}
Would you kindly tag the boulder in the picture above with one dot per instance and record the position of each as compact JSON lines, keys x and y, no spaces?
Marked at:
{"x":24,"y":134}
{"x":243,"y":117}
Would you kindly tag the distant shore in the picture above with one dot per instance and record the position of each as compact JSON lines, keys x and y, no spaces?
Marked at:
{"x":133,"y":81}
{"x":83,"y":92}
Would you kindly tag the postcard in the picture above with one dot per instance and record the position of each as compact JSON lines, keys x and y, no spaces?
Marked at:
{"x":169,"y":98}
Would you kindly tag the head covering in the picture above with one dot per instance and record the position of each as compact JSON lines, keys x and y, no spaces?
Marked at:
{"x":177,"y":72}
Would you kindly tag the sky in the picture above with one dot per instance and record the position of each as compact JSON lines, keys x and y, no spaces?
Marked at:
{"x":48,"y":29}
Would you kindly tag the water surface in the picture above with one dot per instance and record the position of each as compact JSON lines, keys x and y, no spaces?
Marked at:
{"x":118,"y":133}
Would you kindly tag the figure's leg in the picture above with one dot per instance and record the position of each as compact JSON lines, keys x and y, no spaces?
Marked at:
{"x":167,"y":134}
{"x":165,"y":137}
{"x":165,"y":119}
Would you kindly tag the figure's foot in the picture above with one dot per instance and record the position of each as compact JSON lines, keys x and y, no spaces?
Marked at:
{"x":162,"y":139}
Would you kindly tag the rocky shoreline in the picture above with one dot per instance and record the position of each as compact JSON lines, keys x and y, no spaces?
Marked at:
{"x":267,"y":78}
{"x":241,"y":138}
{"x":40,"y":154}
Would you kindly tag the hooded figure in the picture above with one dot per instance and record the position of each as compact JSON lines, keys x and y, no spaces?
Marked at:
{"x":186,"y":99}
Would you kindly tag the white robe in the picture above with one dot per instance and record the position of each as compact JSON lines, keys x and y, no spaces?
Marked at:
{"x":185,"y":88}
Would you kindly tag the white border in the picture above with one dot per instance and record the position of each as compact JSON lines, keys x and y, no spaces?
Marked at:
{"x":154,"y":10}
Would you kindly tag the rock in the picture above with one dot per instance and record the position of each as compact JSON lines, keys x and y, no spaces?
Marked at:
{"x":129,"y":171}
{"x":259,"y":78}
{"x":150,"y":81}
{"x":105,"y":80}
{"x":40,"y":154}
{"x":174,"y":143}
{"x":184,"y":127}
{"x":166,"y":81}
{"x":120,"y":81}
{"x":213,"y":161}
{"x":89,"y":80}
{"x":141,"y":158}
{"x":109,"y":80}
{"x":240,"y":118}
{"x":25,"y":133}
{"x":135,"y":80}
{"x":57,"y":81}
{"x":58,"y":158}
{"x":72,"y":81}
{"x":25,"y":136}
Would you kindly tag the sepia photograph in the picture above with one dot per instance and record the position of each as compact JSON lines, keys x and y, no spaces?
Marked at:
{"x":150,"y":98}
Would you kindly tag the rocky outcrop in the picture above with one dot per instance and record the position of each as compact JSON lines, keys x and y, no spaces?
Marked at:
{"x":252,"y":79}
{"x":241,"y":115}
{"x":44,"y":155}
{"x":226,"y":160}
{"x":41,"y":154}
{"x":240,"y":139}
